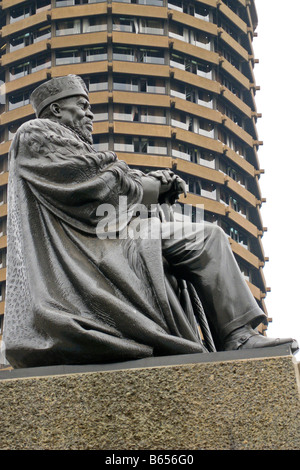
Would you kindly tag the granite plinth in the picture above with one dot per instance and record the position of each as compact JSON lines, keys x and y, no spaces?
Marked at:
{"x":221,"y":402}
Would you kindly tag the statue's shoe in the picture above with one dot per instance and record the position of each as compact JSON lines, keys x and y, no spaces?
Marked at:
{"x":247,"y":338}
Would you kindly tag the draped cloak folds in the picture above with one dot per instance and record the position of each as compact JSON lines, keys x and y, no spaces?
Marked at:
{"x":72,"y":297}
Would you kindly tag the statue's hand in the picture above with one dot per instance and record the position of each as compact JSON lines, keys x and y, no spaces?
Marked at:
{"x":171,"y":185}
{"x":170,"y":193}
{"x":180,"y":186}
{"x":166,"y":178}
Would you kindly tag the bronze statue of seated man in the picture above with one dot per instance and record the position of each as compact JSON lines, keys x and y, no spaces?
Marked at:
{"x":75,"y":296}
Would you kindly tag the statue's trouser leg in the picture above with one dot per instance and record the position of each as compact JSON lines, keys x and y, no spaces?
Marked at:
{"x":206,"y":259}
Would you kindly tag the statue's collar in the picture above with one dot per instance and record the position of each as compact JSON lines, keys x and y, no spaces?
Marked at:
{"x":78,"y":136}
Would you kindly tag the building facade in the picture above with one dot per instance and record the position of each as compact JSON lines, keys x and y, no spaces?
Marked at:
{"x":171,"y":86}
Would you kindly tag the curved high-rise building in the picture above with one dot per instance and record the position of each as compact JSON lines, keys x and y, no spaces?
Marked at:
{"x":171,"y":85}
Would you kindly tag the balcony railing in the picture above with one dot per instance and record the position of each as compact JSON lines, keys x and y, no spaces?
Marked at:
{"x":125,"y":86}
{"x":157,"y":150}
{"x":154,"y":119}
{"x":206,"y":133}
{"x":100,"y":117}
{"x":123,"y":147}
{"x":208,"y":104}
{"x":123,"y":117}
{"x":182,"y":125}
{"x":179,"y":154}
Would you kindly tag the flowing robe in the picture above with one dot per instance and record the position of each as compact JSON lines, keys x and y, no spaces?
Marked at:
{"x":72,"y":297}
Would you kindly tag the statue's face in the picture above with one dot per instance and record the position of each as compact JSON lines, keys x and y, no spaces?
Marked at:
{"x":75,"y":112}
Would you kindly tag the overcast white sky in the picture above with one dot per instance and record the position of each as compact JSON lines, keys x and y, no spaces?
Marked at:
{"x":278,"y":100}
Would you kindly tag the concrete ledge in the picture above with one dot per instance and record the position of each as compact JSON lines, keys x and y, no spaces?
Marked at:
{"x":229,"y":401}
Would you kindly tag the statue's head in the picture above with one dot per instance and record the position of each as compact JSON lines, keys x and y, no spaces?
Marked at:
{"x":65,"y":100}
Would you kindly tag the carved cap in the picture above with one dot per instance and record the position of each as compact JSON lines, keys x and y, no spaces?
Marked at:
{"x":56,"y":89}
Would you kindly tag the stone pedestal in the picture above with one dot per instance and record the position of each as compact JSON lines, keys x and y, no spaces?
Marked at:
{"x":201,"y":401}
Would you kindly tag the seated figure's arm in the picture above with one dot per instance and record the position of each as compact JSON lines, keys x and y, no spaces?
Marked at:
{"x":162,"y":186}
{"x":69,"y":178}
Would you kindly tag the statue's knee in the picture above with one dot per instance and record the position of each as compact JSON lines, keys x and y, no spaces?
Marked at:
{"x":216,"y":232}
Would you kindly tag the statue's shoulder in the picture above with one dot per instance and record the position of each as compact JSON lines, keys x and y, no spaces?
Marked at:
{"x":43,"y":137}
{"x":39,"y":126}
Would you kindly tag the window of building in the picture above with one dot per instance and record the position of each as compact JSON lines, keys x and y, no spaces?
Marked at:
{"x":152,"y":115}
{"x":194,"y":186}
{"x":3,"y":227}
{"x":191,"y":65}
{"x":2,"y":135}
{"x":123,"y":144}
{"x":190,"y":8}
{"x":100,"y":112}
{"x":101,"y":143}
{"x":176,"y":30}
{"x":210,"y":217}
{"x":158,"y":3}
{"x":97,"y":83}
{"x":202,"y":188}
{"x":93,"y":54}
{"x":205,"y":99}
{"x":19,"y":42}
{"x":24,"y":11}
{"x":78,"y":26}
{"x":207,"y":159}
{"x":70,"y":3}
{"x":42,"y":5}
{"x":236,"y":175}
{"x":124,"y":112}
{"x":151,"y":56}
{"x":151,"y":26}
{"x":19,"y":70}
{"x":94,"y":24}
{"x":206,"y":128}
{"x":19,"y":13}
{"x":208,"y":190}
{"x":179,"y":119}
{"x":25,"y":39}
{"x":70,"y":56}
{"x":230,"y":85}
{"x":3,"y":164}
{"x":229,"y":27}
{"x":67,"y":27}
{"x":146,"y":55}
{"x":25,"y":68}
{"x":76,"y":56}
{"x":246,"y":272}
{"x":123,"y":53}
{"x":41,"y":34}
{"x":2,"y":91}
{"x":200,"y":39}
{"x":229,"y":55}
{"x":66,"y":3}
{"x":144,"y":114}
{"x":40,"y":62}
{"x":2,"y":50}
{"x":3,"y":258}
{"x":2,"y":293}
{"x":178,"y":89}
{"x":125,"y":24}
{"x":239,"y":237}
{"x":17,"y":100}
{"x":181,"y":150}
{"x":2,"y":196}
{"x":152,"y":85}
{"x":149,"y":145}
{"x":125,"y":83}
{"x":155,"y":146}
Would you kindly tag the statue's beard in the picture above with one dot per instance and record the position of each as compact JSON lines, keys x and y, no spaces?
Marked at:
{"x":83,"y":132}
